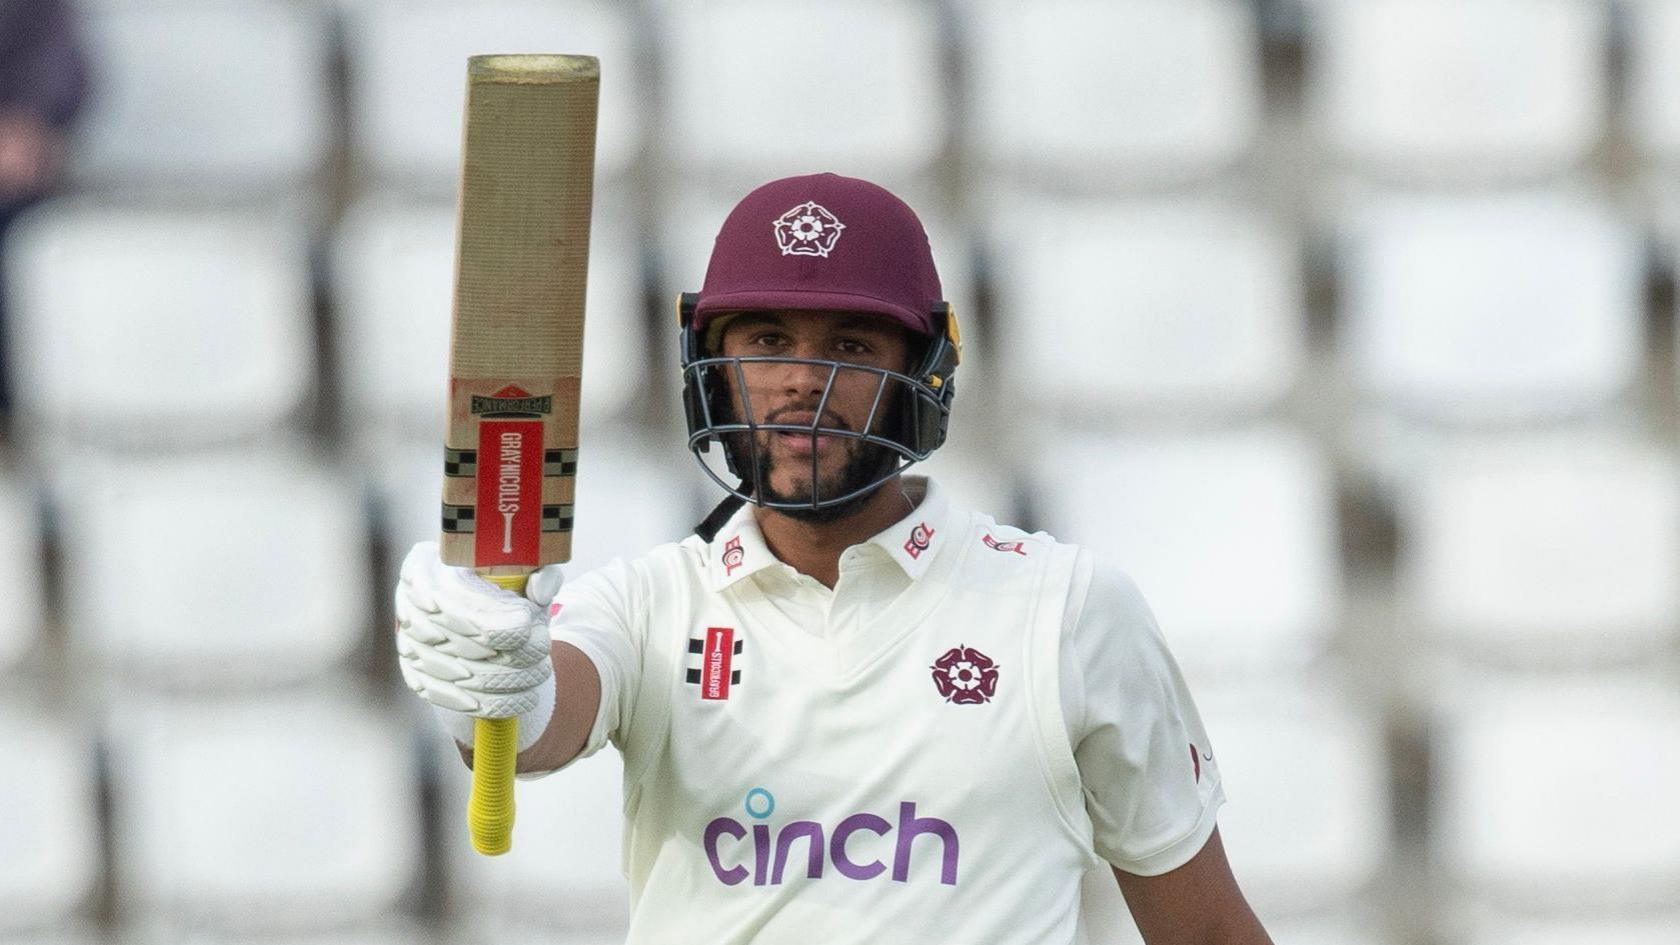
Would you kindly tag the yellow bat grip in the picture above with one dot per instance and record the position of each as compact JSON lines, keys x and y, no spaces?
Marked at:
{"x":495,"y":751}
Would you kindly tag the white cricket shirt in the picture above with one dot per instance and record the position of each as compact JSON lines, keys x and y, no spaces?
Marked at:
{"x":934,"y":751}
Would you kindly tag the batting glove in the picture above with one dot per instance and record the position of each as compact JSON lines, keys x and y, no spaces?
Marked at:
{"x":475,"y":650}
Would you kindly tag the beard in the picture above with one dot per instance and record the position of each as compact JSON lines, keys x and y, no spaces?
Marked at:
{"x":866,"y":463}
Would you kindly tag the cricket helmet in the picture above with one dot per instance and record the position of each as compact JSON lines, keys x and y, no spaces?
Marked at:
{"x":822,"y":243}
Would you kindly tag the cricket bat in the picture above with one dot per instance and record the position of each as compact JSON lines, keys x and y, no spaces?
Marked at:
{"x":516,"y":350}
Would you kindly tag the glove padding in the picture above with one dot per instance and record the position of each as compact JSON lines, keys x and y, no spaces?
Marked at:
{"x":465,"y":644}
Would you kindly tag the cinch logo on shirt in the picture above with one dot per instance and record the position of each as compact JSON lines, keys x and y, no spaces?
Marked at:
{"x":770,"y":853}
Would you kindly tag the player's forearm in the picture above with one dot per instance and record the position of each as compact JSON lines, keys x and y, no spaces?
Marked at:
{"x":577,"y":699}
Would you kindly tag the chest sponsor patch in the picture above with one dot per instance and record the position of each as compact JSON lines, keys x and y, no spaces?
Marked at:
{"x":713,"y":662}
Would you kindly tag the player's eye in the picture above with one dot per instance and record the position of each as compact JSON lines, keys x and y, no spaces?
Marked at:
{"x":854,"y":347}
{"x":769,"y":339}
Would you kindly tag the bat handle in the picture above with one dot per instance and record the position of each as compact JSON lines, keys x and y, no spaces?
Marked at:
{"x":495,"y":754}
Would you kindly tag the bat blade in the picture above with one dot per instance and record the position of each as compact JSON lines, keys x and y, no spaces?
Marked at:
{"x":516,"y":352}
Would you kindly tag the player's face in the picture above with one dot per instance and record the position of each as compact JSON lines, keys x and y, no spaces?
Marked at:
{"x":790,"y":393}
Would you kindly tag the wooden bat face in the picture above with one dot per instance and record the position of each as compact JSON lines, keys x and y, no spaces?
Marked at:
{"x":516,"y":357}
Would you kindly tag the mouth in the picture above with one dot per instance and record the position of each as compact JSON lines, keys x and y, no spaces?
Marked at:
{"x":805,"y":443}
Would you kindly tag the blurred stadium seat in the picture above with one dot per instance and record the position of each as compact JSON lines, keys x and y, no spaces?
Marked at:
{"x":393,"y":280}
{"x":391,"y":932}
{"x":1230,"y":536}
{"x":1562,"y":550}
{"x":1184,"y":306}
{"x":205,"y":99}
{"x":1558,"y":792}
{"x":21,"y":571}
{"x":225,"y":572}
{"x":151,"y":328}
{"x":408,"y":77}
{"x":49,"y":847}
{"x":1489,"y":927}
{"x":1484,"y":90}
{"x":1654,"y":77}
{"x":1358,"y":927}
{"x":566,"y":854}
{"x":1102,"y":93}
{"x":1306,"y":820}
{"x":289,"y":813}
{"x":1497,"y":308}
{"x":771,"y":88}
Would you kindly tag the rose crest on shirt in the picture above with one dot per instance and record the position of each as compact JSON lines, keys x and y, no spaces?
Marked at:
{"x":965,"y":676}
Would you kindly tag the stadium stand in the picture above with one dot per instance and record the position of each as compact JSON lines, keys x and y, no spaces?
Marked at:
{"x":21,"y":579}
{"x":244,"y":561}
{"x":50,"y":850}
{"x":1554,"y":794}
{"x":406,"y":80}
{"x":1110,"y":93}
{"x":147,"y":328}
{"x":206,"y":100}
{"x":1148,"y":504}
{"x":1447,"y":90}
{"x":857,"y":90}
{"x":282,"y":815}
{"x":1199,"y":315}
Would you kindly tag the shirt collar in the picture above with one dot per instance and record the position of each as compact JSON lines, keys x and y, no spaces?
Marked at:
{"x":738,"y":550}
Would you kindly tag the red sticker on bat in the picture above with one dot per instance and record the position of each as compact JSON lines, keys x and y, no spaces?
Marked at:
{"x":508,"y":520}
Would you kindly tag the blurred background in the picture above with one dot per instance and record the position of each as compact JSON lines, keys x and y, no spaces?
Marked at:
{"x":1345,"y":326}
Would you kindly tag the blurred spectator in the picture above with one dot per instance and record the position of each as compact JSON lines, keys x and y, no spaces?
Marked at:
{"x":43,"y":79}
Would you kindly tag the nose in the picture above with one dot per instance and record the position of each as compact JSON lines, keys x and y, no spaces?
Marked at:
{"x":803,"y":380}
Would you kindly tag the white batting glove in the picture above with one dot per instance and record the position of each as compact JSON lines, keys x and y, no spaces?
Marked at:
{"x":475,"y":650}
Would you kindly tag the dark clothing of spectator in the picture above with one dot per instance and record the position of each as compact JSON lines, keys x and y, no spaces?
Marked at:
{"x":43,"y":80}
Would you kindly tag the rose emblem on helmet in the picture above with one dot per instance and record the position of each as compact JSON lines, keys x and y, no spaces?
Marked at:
{"x":807,"y":230}
{"x":965,"y":676}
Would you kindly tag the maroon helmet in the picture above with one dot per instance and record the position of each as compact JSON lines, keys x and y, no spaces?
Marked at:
{"x":821,"y":243}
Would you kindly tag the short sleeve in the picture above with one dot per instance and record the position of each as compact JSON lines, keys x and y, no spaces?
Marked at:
{"x":1152,"y":787}
{"x":599,"y":613}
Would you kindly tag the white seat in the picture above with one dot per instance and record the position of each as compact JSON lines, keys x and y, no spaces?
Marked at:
{"x":214,"y":572}
{"x":1493,"y":308}
{"x":1306,"y":826}
{"x":1557,"y":793}
{"x":382,"y":931}
{"x":1249,"y":513}
{"x":1654,"y":76}
{"x":141,"y":327}
{"x":294,"y":812}
{"x":567,"y":841}
{"x":21,"y":577}
{"x":197,"y":94}
{"x":49,"y":849}
{"x":1148,"y":305}
{"x":1466,"y":89}
{"x":799,"y":86}
{"x":1105,"y":92}
{"x":1557,"y":549}
{"x":408,"y":62}
{"x":1490,"y":927}
{"x":394,"y":278}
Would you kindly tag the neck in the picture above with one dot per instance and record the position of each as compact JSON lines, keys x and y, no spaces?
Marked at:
{"x":814,"y":548}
